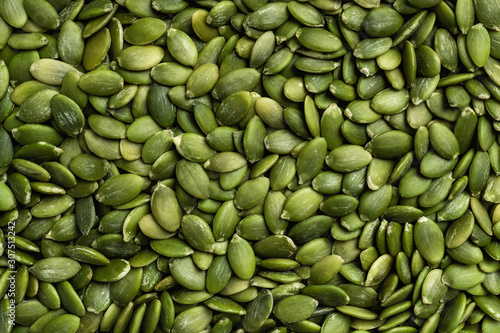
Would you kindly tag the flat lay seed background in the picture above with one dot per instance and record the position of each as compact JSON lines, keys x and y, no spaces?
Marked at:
{"x":249,"y":166}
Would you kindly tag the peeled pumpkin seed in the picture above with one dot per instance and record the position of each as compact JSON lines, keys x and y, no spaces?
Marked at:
{"x":117,"y":190}
{"x":55,"y":269}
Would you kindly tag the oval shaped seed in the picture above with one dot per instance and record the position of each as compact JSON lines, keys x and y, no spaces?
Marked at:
{"x":382,"y":22}
{"x":102,"y":147}
{"x":116,"y":270}
{"x":489,"y":304}
{"x":96,"y":49}
{"x":192,"y":320}
{"x":348,"y":158}
{"x":144,"y":31}
{"x":492,"y":68}
{"x":89,"y":167}
{"x":218,"y":274}
{"x":423,"y":89}
{"x":101,"y":82}
{"x":36,"y":108}
{"x":28,"y":41}
{"x":198,"y":233}
{"x":124,"y":291}
{"x":119,"y":189}
{"x":31,"y":133}
{"x":462,"y":277}
{"x":225,"y":162}
{"x":14,"y":14}
{"x":446,"y":49}
{"x":433,"y":289}
{"x":171,"y":247}
{"x":241,"y":257}
{"x":171,"y":73}
{"x":97,"y":297}
{"x":372,"y":204}
{"x":258,"y":310}
{"x":443,"y":140}
{"x":202,"y":80}
{"x":86,"y":254}
{"x":193,"y":178}
{"x":233,"y":108}
{"x":140,"y":57}
{"x":427,"y":232}
{"x":52,"y":206}
{"x":187,"y":273}
{"x":70,"y":44}
{"x":487,"y":13}
{"x":241,"y":79}
{"x":165,"y":208}
{"x":8,"y":200}
{"x":372,"y":47}
{"x":262,"y":49}
{"x":295,"y":308}
{"x":390,"y":101}
{"x":390,"y":144}
{"x":107,"y":127}
{"x":251,"y":193}
{"x":181,"y":47}
{"x":56,"y":269}
{"x":301,"y":204}
{"x":478,"y":44}
{"x":48,"y":296}
{"x":467,"y":253}
{"x":306,"y":14}
{"x":317,"y":39}
{"x":224,"y":305}
{"x":269,"y":16}
{"x":339,"y":205}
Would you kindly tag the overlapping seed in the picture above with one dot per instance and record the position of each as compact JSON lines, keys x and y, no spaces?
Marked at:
{"x":249,"y":166}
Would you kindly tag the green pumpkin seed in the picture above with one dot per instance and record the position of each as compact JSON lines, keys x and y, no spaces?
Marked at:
{"x":306,"y":198}
{"x":462,"y":277}
{"x":101,"y":82}
{"x":46,"y":269}
{"x":284,"y":312}
{"x":118,"y":190}
{"x":192,"y":319}
{"x":187,"y":274}
{"x":241,"y":257}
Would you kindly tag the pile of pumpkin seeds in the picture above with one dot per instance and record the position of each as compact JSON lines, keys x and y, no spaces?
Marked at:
{"x":249,"y":166}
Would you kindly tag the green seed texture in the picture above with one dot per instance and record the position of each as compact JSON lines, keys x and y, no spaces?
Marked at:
{"x":178,"y":166}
